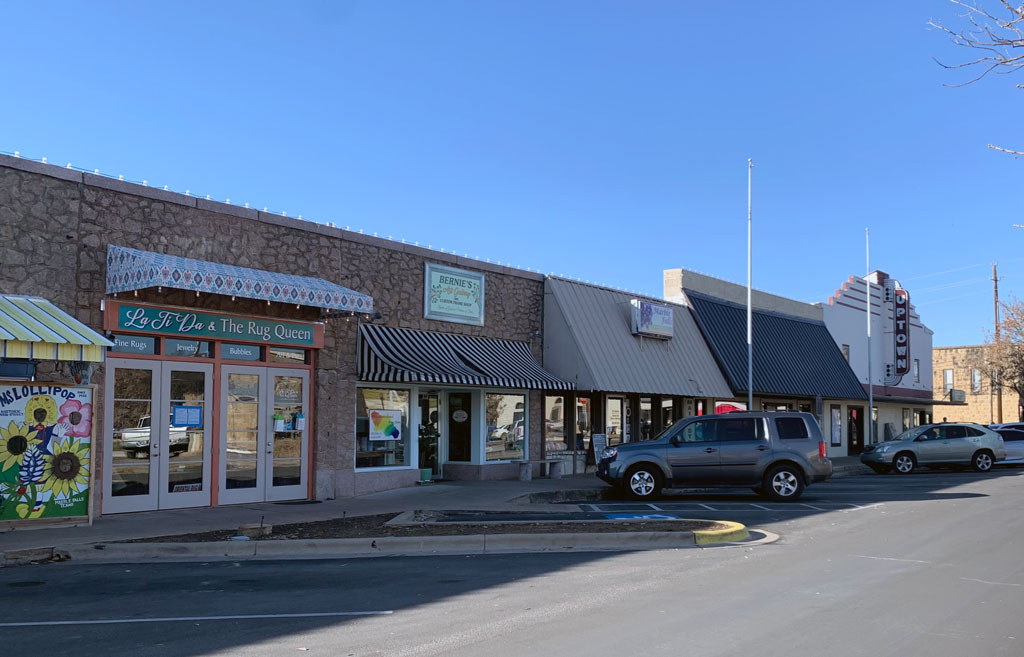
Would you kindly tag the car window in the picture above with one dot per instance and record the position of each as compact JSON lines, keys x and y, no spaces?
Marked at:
{"x":737,"y":429}
{"x":701,"y":431}
{"x":931,"y":433}
{"x":972,"y":431}
{"x":956,"y":432}
{"x":1010,"y":435}
{"x":790,"y":428}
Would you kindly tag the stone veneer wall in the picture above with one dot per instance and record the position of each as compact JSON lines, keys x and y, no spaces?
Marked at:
{"x":55,"y":225}
{"x":981,"y":406}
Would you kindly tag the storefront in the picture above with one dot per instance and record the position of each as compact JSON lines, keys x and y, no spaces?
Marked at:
{"x":205,"y":407}
{"x":46,"y":413}
{"x":638,"y":365}
{"x":454,"y":406}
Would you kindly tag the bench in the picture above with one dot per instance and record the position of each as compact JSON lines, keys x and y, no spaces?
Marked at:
{"x":554,"y":467}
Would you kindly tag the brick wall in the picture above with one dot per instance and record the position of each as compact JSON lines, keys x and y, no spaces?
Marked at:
{"x":981,"y":406}
{"x":55,"y":225}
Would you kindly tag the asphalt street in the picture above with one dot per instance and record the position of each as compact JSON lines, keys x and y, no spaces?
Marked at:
{"x":922,"y":565}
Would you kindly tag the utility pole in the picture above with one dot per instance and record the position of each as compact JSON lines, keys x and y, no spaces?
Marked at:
{"x":999,"y":390}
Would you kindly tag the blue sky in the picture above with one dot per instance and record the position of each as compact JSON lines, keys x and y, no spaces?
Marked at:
{"x":604,"y":140}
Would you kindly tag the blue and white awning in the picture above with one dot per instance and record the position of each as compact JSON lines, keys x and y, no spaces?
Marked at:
{"x":132,"y":269}
{"x":397,"y":355}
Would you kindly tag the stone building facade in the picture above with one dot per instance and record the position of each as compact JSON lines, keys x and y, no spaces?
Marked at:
{"x":959,"y":368}
{"x":56,"y":225}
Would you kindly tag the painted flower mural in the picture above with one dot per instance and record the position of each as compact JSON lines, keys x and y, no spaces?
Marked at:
{"x":45,"y":451}
{"x":15,"y":441}
{"x":67,"y":469}
{"x":78,"y":416}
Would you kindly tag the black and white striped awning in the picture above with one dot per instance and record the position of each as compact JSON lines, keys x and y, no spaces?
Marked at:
{"x":396,"y":355}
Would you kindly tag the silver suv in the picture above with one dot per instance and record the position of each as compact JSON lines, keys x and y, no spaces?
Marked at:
{"x":778,"y":454}
{"x":933,"y":445}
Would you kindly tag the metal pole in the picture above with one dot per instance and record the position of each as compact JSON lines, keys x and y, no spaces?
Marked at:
{"x":750,"y":312}
{"x":999,"y":391}
{"x":867,"y":305}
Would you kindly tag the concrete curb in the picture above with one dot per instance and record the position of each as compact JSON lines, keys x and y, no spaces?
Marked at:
{"x":386,"y":546}
{"x":733,"y":533}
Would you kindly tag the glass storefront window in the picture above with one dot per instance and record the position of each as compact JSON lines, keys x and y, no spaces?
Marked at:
{"x":645,"y":418}
{"x":382,"y":428}
{"x":668,"y":416}
{"x":554,"y":424}
{"x":613,"y":420}
{"x":584,"y":425}
{"x":506,"y":427}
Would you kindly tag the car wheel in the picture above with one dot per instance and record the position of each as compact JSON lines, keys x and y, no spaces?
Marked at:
{"x":784,"y":483}
{"x":904,"y":463}
{"x":982,"y":461}
{"x":642,"y":482}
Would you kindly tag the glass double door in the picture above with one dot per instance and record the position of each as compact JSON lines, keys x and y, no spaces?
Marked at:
{"x":264,"y":450}
{"x":156,"y":439}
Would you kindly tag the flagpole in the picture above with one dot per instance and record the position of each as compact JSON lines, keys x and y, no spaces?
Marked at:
{"x":867,"y":309}
{"x":750,"y":312}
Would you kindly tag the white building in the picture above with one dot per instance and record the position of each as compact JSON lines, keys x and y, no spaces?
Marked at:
{"x":901,"y":353}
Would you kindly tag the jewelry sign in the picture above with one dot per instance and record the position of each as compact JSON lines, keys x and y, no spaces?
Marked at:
{"x":453,"y":295}
{"x":45,"y":451}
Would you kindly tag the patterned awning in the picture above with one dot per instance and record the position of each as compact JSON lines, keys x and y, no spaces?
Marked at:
{"x":396,"y":355}
{"x":34,"y":328}
{"x":132,"y":269}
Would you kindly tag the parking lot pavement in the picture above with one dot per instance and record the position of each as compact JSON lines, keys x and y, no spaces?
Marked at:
{"x":867,"y":494}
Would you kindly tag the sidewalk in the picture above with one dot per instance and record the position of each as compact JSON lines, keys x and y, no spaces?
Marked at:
{"x":443,"y":496}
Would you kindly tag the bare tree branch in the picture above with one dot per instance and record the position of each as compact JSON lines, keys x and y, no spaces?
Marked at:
{"x":1015,"y":154}
{"x":996,"y":37}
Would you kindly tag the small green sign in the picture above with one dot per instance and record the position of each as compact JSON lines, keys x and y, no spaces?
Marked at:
{"x":169,"y":321}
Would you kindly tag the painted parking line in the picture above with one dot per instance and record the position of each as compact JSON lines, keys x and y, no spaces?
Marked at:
{"x":178,"y":619}
{"x":727,"y":507}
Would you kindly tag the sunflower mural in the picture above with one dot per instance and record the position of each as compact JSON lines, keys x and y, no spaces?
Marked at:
{"x":45,"y":451}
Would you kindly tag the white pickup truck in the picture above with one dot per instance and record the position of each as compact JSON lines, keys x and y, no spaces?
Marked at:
{"x":135,"y":441}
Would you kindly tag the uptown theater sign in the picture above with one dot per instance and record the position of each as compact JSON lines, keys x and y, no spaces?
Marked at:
{"x":901,"y":330}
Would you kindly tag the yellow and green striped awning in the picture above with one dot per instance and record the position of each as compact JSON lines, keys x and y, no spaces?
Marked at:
{"x":32,"y":327}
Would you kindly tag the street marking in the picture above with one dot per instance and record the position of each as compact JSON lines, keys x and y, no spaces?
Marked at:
{"x":654,"y":507}
{"x":114,"y":621}
{"x":984,"y":581}
{"x":709,"y":508}
{"x":763,"y":508}
{"x":864,"y":556}
{"x":860,"y":506}
{"x":809,"y":506}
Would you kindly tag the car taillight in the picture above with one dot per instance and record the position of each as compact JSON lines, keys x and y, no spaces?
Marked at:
{"x":821,"y":449}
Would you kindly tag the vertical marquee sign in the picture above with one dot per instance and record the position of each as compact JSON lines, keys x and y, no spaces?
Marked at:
{"x":901,"y":330}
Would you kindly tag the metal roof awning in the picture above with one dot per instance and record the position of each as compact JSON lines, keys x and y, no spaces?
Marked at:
{"x":34,"y":328}
{"x":132,"y":269}
{"x":397,"y":355}
{"x":792,"y":355}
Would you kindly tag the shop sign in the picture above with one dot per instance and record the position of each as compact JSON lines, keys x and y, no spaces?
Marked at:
{"x":901,"y":330}
{"x":174,"y":321}
{"x":199,"y":348}
{"x":453,"y":295}
{"x":653,"y":320}
{"x":386,"y":425}
{"x":133,"y":344}
{"x":230,"y":351}
{"x":45,"y":451}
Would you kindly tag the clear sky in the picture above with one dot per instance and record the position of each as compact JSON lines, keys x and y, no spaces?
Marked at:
{"x":604,"y":140}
